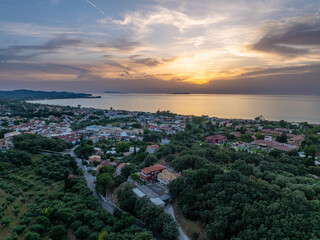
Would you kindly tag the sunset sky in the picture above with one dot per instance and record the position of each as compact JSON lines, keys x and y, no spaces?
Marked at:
{"x":161,"y":46}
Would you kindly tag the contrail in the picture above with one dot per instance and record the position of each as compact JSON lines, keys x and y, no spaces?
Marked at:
{"x":97,"y":8}
{"x":118,"y":25}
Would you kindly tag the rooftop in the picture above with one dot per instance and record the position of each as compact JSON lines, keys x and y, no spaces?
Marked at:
{"x":154,"y":168}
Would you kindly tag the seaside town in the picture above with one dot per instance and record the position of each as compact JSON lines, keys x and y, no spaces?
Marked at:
{"x":159,"y":120}
{"x":145,"y":154}
{"x":79,"y":125}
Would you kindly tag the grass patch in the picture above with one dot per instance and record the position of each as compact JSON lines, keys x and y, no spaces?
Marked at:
{"x":192,"y":229}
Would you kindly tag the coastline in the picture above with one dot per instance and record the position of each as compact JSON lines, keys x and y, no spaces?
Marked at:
{"x":177,"y":113}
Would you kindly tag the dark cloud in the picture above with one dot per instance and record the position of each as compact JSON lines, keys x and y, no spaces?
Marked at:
{"x":43,"y":68}
{"x":122,"y":44}
{"x":25,"y":52}
{"x":115,"y":64}
{"x":150,"y":62}
{"x":288,"y":80}
{"x":146,"y":61}
{"x":106,"y":56}
{"x":293,"y":80}
{"x":258,"y":72}
{"x":296,"y":39}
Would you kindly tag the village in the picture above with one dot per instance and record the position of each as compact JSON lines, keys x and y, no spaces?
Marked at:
{"x":143,"y":150}
{"x":126,"y":126}
{"x":147,"y":132}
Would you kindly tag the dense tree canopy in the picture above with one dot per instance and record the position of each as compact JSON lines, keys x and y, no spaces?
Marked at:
{"x":84,"y":150}
{"x":34,"y":143}
{"x":152,"y":215}
{"x":58,"y":200}
{"x":248,"y":196}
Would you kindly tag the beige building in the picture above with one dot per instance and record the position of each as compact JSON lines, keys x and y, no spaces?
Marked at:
{"x":165,"y":177}
{"x":95,"y":158}
{"x":4,"y":145}
{"x":11,"y":134}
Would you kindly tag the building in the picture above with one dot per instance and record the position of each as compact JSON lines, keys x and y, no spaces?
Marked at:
{"x":165,"y":141}
{"x":131,"y":149}
{"x":270,"y":132}
{"x":94,"y":128}
{"x":236,"y":134}
{"x":216,"y":139}
{"x":4,"y":145}
{"x":112,"y":151}
{"x":95,"y":158}
{"x":295,"y":139}
{"x":11,"y":134}
{"x":158,"y":202}
{"x":138,"y":192}
{"x":107,"y":163}
{"x":119,"y":168}
{"x":152,"y":149}
{"x":165,"y":177}
{"x":71,"y":138}
{"x":155,"y":193}
{"x":269,"y":145}
{"x":94,"y":139}
{"x":150,"y":173}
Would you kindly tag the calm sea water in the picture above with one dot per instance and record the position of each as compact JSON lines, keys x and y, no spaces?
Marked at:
{"x":272,"y":107}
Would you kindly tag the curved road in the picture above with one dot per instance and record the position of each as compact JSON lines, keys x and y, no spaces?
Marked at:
{"x":109,"y":205}
{"x":90,"y":182}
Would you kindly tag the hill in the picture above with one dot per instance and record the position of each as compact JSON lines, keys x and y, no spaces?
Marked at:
{"x":32,"y":95}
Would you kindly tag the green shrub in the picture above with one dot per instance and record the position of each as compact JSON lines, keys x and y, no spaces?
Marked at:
{"x":31,"y":236}
{"x":38,"y":228}
{"x":82,"y":232}
{"x":57,"y":232}
{"x":5,"y":221}
{"x":19,"y":229}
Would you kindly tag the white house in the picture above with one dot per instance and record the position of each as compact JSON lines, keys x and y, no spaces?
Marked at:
{"x":165,"y":141}
{"x":131,"y":149}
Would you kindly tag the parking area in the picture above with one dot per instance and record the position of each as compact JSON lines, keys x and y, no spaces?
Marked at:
{"x":157,"y":193}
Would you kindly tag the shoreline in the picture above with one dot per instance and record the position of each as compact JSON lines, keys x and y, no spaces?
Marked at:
{"x":214,"y":117}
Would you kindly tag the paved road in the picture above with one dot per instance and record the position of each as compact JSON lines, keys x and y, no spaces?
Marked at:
{"x":109,"y":204}
{"x":90,"y":183}
{"x":168,"y":209}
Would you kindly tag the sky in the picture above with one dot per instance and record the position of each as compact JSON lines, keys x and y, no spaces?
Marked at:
{"x":161,"y":46}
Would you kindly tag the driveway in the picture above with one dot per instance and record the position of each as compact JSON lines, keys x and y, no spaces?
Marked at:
{"x":182,"y":236}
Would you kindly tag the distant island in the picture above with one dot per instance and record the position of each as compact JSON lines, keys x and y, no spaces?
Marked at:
{"x":113,"y":92}
{"x":180,"y":93}
{"x":36,"y":95}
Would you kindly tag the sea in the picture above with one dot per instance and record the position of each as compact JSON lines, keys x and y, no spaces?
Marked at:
{"x":292,"y":108}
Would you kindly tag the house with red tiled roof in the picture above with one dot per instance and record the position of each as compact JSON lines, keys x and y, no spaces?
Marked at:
{"x":107,"y":163}
{"x":152,"y":148}
{"x":269,"y":145}
{"x":154,"y":128}
{"x":270,"y":132}
{"x":295,"y":139}
{"x":71,"y":138}
{"x":216,"y":139}
{"x":150,"y":173}
{"x":119,"y":168}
